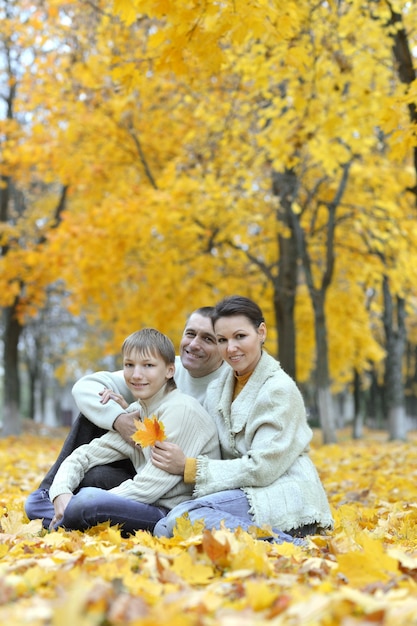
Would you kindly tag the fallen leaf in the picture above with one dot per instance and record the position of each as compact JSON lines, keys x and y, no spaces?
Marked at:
{"x":12,"y":524}
{"x":217,"y":551}
{"x":149,"y":431}
{"x":189,"y":570}
{"x":370,"y":564}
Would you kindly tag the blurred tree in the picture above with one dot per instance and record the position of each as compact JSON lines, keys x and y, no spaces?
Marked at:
{"x":21,"y":222}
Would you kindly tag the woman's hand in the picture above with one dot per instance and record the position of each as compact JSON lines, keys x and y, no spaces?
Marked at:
{"x":109,"y":394}
{"x":60,"y":504}
{"x":168,"y":457}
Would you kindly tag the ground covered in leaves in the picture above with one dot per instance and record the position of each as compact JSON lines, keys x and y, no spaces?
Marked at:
{"x":365,"y":572}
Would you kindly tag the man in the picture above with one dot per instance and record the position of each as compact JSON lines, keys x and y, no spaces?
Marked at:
{"x":199,"y":363}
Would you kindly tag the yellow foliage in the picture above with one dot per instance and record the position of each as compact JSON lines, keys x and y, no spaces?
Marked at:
{"x":365,"y":568}
{"x":186,"y":568}
{"x":166,"y":119}
{"x":369,"y":565}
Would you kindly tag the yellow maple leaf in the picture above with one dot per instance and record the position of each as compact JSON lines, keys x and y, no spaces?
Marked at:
{"x":260,"y":595}
{"x":149,"y":431}
{"x":185,"y":529}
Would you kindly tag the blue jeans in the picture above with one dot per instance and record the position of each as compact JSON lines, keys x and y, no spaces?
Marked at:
{"x":39,"y":506}
{"x":91,"y":506}
{"x":228,"y":507}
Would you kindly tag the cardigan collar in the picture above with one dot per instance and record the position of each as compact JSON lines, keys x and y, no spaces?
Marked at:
{"x":264,"y":369}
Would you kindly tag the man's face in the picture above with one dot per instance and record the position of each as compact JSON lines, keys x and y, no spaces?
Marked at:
{"x":198,"y":348}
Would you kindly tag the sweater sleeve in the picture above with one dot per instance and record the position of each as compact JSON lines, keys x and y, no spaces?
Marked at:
{"x":190,"y":470}
{"x":86,"y":394}
{"x":106,"y":449}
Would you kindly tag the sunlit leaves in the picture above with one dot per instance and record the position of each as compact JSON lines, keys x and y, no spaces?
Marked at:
{"x":364,"y":571}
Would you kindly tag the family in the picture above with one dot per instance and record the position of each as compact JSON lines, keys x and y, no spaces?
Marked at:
{"x":236,"y":447}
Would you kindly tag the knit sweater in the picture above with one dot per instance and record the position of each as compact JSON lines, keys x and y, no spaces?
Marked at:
{"x":86,"y":392}
{"x":196,"y":387}
{"x":186,"y":423}
{"x":264,"y":441}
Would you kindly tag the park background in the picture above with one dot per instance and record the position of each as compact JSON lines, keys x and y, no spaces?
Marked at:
{"x":156,"y":155}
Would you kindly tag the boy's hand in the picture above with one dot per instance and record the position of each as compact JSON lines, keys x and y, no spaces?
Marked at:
{"x":168,"y":457}
{"x":60,"y":504}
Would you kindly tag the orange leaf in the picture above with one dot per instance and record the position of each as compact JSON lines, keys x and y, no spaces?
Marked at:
{"x":218,"y":552}
{"x":149,"y":431}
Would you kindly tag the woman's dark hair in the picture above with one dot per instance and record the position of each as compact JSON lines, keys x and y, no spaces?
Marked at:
{"x":239,"y":305}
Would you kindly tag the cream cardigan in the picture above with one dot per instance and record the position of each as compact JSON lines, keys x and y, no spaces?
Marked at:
{"x":264,"y":440}
{"x":186,"y":424}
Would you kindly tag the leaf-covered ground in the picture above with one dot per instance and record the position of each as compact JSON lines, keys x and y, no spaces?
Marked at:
{"x":365,"y":572}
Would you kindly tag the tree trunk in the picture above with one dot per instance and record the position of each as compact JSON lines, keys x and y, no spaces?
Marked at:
{"x":326,"y":411}
{"x":405,"y":67}
{"x":395,"y":334}
{"x":375,"y":402}
{"x":318,"y":296}
{"x":285,"y":188}
{"x":357,"y":431}
{"x":32,"y":395}
{"x":324,"y":395}
{"x":396,"y":338}
{"x":11,"y":403}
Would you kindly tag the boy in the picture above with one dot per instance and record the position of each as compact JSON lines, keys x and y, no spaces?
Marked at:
{"x":137,"y":503}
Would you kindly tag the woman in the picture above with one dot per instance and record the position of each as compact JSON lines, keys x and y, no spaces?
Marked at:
{"x":265,"y":476}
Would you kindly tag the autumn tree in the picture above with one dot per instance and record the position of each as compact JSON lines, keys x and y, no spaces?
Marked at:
{"x":305,"y":144}
{"x":231,"y":219}
{"x":256,"y":169}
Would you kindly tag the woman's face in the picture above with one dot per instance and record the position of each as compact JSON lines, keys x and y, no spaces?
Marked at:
{"x":240,"y":344}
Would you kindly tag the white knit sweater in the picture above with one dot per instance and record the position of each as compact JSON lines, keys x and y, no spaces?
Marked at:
{"x":186,"y":424}
{"x":264,"y":440}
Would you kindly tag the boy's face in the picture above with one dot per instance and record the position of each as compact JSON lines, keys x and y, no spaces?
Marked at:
{"x":146,"y":374}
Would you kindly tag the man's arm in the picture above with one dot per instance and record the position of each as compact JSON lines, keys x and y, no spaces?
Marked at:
{"x":86,"y":394}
